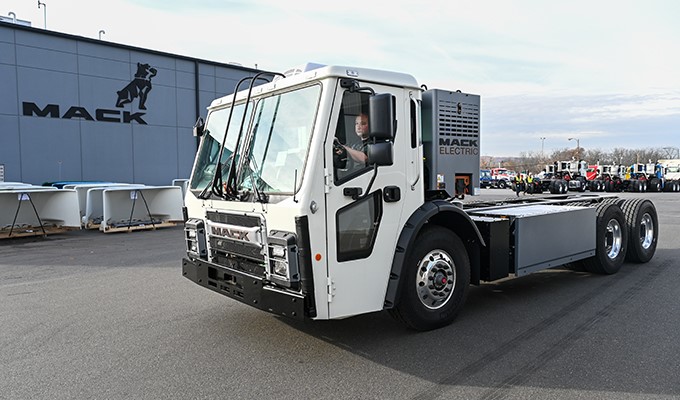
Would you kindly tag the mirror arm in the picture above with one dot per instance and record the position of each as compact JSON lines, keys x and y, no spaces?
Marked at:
{"x":370,"y":183}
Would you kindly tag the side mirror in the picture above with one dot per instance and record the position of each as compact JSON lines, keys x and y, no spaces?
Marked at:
{"x":380,"y":154}
{"x":199,"y":127}
{"x":382,"y":123}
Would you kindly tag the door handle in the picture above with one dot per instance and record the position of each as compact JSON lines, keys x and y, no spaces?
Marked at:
{"x":391,"y":194}
{"x":353,"y":192}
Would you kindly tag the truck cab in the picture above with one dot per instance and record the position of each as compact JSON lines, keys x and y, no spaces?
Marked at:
{"x":288,"y":214}
{"x":485,"y":178}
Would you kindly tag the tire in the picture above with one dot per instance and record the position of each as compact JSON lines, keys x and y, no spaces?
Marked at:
{"x":502,"y":185}
{"x":635,"y":186}
{"x":565,"y":187}
{"x":611,"y":240}
{"x":438,"y":256}
{"x":654,"y":185}
{"x":643,"y":229}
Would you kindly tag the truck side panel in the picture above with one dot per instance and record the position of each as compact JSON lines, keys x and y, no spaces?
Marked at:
{"x":545,"y":236}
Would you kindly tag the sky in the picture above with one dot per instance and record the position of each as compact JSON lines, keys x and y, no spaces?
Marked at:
{"x":605,"y":73}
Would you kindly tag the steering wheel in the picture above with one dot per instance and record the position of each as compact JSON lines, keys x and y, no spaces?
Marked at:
{"x":339,"y":154}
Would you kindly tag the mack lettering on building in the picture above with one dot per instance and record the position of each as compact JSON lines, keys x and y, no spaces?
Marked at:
{"x":100,"y":114}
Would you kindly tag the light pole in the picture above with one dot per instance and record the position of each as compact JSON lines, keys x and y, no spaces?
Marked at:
{"x":578,"y":147}
{"x":40,"y":3}
{"x":542,"y":141}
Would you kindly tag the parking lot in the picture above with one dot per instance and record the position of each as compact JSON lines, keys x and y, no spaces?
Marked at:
{"x":91,"y":315}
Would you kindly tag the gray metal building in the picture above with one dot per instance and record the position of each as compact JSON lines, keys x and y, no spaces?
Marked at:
{"x":80,"y":109}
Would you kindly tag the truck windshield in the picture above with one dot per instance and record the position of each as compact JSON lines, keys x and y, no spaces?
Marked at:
{"x":216,"y":128}
{"x":275,"y":142}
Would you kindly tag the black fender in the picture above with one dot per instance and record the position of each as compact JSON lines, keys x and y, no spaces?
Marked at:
{"x":438,"y":212}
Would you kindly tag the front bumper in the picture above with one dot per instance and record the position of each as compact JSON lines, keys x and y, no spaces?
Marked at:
{"x":248,"y":289}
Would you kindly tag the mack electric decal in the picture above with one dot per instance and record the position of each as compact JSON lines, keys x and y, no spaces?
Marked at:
{"x":462,"y":147}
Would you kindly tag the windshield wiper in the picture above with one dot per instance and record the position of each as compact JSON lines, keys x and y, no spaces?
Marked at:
{"x":259,"y":196}
{"x":232,"y":176}
{"x":216,"y":184}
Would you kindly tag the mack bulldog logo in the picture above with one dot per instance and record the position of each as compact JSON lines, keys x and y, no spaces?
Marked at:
{"x":139,"y":87}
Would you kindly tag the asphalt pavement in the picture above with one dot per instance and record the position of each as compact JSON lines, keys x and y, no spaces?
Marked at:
{"x":88,"y":315}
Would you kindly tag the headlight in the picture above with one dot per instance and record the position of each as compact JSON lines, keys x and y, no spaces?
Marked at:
{"x":280,"y":267}
{"x":283,"y":262}
{"x":278,"y":251}
{"x":194,"y":235}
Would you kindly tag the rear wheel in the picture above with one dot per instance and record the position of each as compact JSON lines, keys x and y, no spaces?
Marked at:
{"x":435,"y":281}
{"x":565,"y":187}
{"x":643,"y":229}
{"x":654,"y":185}
{"x":611,"y":240}
{"x":582,"y":185}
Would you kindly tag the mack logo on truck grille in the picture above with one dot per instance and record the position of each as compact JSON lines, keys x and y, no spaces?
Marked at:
{"x":230,"y":233}
{"x":239,"y":233}
{"x":462,"y":147}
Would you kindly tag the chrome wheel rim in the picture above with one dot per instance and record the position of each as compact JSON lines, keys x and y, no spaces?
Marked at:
{"x":435,"y":279}
{"x":646,"y":231}
{"x":613,"y":239}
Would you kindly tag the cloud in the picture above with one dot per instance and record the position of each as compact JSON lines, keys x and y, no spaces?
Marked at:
{"x":601,"y":70}
{"x":511,"y":124}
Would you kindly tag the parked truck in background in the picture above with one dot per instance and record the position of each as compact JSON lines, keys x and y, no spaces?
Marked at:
{"x":671,"y":174}
{"x":485,"y":180}
{"x":280,"y":215}
{"x":594,"y":178}
{"x":501,"y":178}
{"x":552,"y":179}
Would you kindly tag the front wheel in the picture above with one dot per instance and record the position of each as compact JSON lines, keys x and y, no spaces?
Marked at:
{"x":435,"y":280}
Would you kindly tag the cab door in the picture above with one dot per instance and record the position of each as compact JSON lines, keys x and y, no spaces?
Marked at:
{"x":362,"y":221}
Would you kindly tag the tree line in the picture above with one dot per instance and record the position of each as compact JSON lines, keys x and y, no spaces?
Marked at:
{"x":535,"y":161}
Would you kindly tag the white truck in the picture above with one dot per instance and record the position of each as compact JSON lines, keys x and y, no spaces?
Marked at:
{"x":671,"y":174}
{"x":280,"y":215}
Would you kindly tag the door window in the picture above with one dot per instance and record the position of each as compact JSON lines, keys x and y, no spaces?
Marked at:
{"x":351,"y":138}
{"x":357,"y":226}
